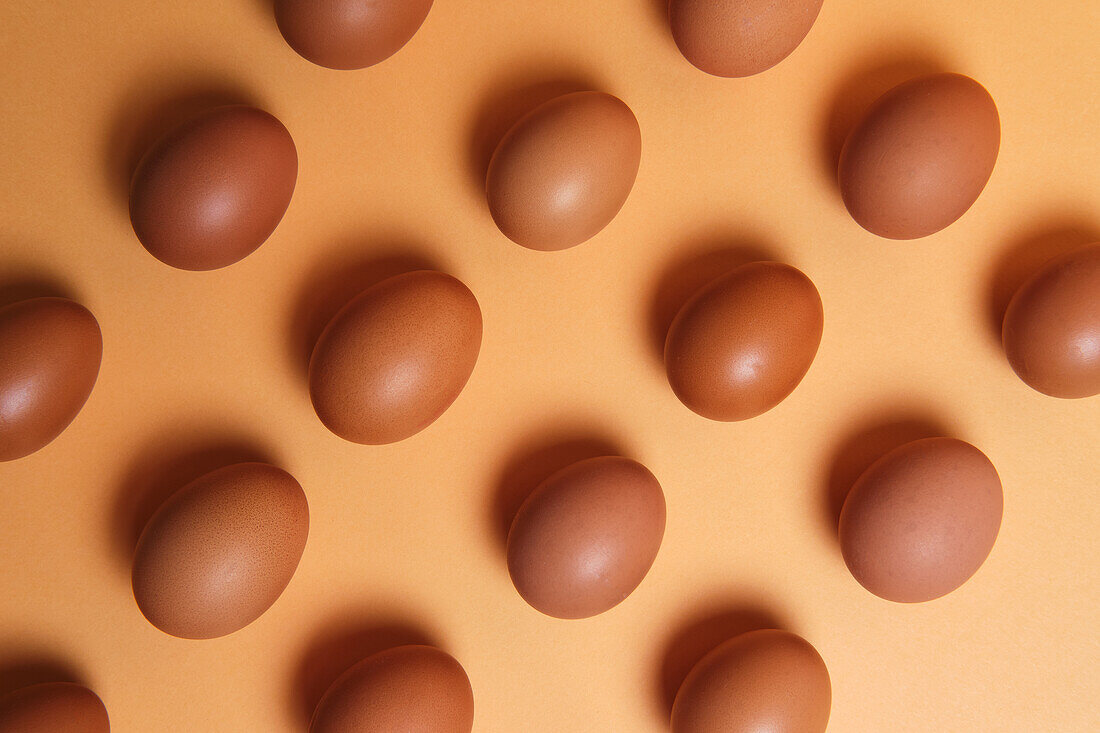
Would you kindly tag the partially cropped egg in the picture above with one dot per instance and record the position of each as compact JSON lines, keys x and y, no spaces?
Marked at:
{"x":406,"y":688}
{"x":765,"y":681}
{"x":740,"y":37}
{"x":349,"y":34}
{"x":586,"y":537}
{"x":921,"y":156}
{"x":744,"y":342}
{"x":395,"y":358}
{"x":563,"y":172}
{"x":220,"y":551}
{"x":53,"y":707}
{"x":211,"y":191}
{"x":921,"y":520}
{"x":50,"y":350}
{"x":1051,"y":329}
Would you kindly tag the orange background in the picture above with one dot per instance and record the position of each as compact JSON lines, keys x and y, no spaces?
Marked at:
{"x":200,"y":369}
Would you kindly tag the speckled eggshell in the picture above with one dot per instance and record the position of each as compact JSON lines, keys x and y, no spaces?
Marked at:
{"x":1051,"y":330}
{"x":349,"y":34}
{"x":563,"y":172}
{"x":214,"y":189}
{"x":586,"y":537}
{"x":50,"y":350}
{"x":921,"y":520}
{"x":220,"y":551}
{"x":411,"y":688}
{"x":396,"y":357}
{"x":735,"y":38}
{"x":53,"y":707}
{"x":921,"y":156}
{"x":744,"y":342}
{"x":765,"y":681}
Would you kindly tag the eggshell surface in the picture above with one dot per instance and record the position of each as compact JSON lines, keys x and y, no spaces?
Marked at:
{"x":921,"y":520}
{"x":921,"y":156}
{"x":396,"y":357}
{"x":744,"y":342}
{"x":586,"y":537}
{"x":349,"y":34}
{"x":1051,"y":330}
{"x":50,"y":351}
{"x":765,"y":681}
{"x":220,"y":551}
{"x":563,"y":172}
{"x":734,"y":38}
{"x":213,"y":190}
{"x":53,"y":707}
{"x":406,"y":688}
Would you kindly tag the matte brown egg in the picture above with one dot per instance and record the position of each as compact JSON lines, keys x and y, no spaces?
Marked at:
{"x":1051,"y":329}
{"x":921,"y":520}
{"x":407,"y":688}
{"x":921,"y":156}
{"x":740,"y":37}
{"x":586,"y":537}
{"x":562,"y":173}
{"x":50,"y":350}
{"x":53,"y":707}
{"x":744,"y":342}
{"x":765,"y":681}
{"x":349,"y":34}
{"x":214,"y":189}
{"x":396,"y":357}
{"x":220,"y":551}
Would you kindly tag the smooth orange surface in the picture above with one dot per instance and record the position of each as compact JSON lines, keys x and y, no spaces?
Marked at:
{"x":406,"y":540}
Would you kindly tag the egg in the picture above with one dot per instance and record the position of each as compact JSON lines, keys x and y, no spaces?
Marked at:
{"x":741,"y":344}
{"x":220,"y":551}
{"x":406,"y":688}
{"x":764,"y":681}
{"x":53,"y":707}
{"x":1051,"y":330}
{"x":211,"y":191}
{"x":921,"y":520}
{"x":50,"y":350}
{"x":920,"y":156}
{"x":349,"y":34}
{"x":395,"y":358}
{"x":740,"y":37}
{"x":563,"y":172}
{"x":586,"y":537}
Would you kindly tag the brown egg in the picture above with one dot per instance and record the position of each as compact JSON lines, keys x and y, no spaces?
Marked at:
{"x":220,"y":551}
{"x":921,"y":156}
{"x":50,"y":349}
{"x":562,"y":173}
{"x":349,"y":34}
{"x":586,"y":537}
{"x":395,"y":357}
{"x":407,"y":688}
{"x":740,"y":37}
{"x":53,"y":707}
{"x":765,"y":681}
{"x":921,"y":520}
{"x":745,"y":341}
{"x":214,"y":189}
{"x":1051,"y":329}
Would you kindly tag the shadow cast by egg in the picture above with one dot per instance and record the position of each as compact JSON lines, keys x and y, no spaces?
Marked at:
{"x":17,"y":287}
{"x":532,"y":462}
{"x":162,"y":468}
{"x":24,"y":670}
{"x":342,"y":644}
{"x":709,"y":256}
{"x":334,"y":281}
{"x":858,"y":89}
{"x":703,"y":632}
